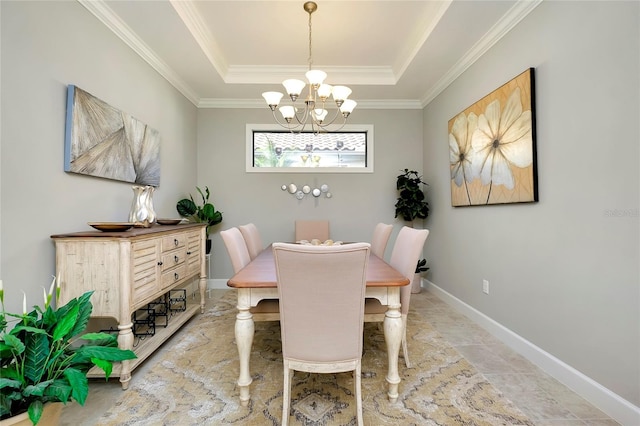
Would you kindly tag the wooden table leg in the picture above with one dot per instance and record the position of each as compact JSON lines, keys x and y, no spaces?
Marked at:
{"x":393,"y":338}
{"x":125,"y":341}
{"x":244,"y":331}
{"x":202,"y":286}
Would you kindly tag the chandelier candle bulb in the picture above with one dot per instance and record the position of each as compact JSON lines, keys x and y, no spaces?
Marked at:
{"x":272,"y":98}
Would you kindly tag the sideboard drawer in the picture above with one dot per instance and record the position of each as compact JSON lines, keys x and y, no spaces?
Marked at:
{"x":174,"y":276}
{"x":174,"y":258}
{"x":171,"y":242}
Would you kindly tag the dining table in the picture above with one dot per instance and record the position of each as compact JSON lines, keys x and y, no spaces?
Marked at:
{"x":257,"y":281}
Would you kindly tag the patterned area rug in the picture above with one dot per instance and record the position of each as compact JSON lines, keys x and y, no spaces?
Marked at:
{"x":194,"y":383}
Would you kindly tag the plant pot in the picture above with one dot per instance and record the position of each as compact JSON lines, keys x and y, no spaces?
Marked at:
{"x":416,"y":284}
{"x":208,"y":246}
{"x":50,"y":417}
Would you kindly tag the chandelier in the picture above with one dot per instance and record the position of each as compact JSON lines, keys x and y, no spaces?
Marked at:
{"x":313,"y":111}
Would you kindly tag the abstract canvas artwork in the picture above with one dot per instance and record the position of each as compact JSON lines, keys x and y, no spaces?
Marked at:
{"x":105,"y":142}
{"x":492,"y":147}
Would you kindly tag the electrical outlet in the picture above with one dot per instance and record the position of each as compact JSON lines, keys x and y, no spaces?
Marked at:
{"x":485,"y":286}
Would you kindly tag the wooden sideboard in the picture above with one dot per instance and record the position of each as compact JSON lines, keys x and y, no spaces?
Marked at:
{"x":127,"y":270}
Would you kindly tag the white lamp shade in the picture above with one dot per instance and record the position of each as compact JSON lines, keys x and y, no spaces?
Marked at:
{"x":348,"y":105}
{"x":272,"y":98}
{"x":340,"y":93}
{"x":320,"y":114}
{"x":293,"y":86}
{"x":316,"y":77}
{"x":324,"y":91}
{"x":287,"y":111}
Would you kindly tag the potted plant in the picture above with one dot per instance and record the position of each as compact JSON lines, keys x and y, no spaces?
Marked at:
{"x":411,"y":205}
{"x":203,"y":213}
{"x":43,"y":360}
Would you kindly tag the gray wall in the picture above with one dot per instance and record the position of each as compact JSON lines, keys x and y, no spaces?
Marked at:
{"x":45,"y":47}
{"x":359,"y":200}
{"x":563,"y":272}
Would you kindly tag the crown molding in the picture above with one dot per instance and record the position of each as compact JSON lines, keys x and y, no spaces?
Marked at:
{"x":429,"y":27}
{"x":259,"y":103}
{"x":197,"y":27}
{"x":256,"y":74}
{"x":516,"y":14}
{"x":112,"y":21}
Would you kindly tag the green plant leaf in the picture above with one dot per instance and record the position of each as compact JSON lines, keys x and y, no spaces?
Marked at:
{"x":36,"y":353}
{"x":14,"y":343}
{"x":5,"y":405}
{"x":66,"y":323}
{"x":35,"y":411}
{"x":8,"y":383}
{"x":59,"y":390}
{"x":10,"y":372}
{"x":37,"y":389}
{"x":84,"y":313}
{"x":79,"y":384}
{"x":207,"y":212}
{"x":186,"y":207}
{"x":18,"y":328}
{"x":106,"y":366}
{"x":103,"y":339}
{"x":216,"y":218}
{"x":49,"y":317}
{"x":106,"y":353}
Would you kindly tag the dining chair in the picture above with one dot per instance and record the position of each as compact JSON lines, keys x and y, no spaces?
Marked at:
{"x":404,"y":258}
{"x":312,"y":229}
{"x":266,"y":309}
{"x":322,"y":291}
{"x":252,"y":238}
{"x":381,"y":234}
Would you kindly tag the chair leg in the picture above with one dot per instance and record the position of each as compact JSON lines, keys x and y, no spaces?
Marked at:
{"x":405,"y":350}
{"x":286,"y":397}
{"x":358,"y":386}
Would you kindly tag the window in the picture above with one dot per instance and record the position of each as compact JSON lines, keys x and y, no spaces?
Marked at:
{"x":274,"y":149}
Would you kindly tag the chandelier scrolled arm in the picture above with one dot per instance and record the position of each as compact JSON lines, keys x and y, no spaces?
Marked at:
{"x":297,"y":118}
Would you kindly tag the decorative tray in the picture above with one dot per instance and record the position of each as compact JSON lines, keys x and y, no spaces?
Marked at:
{"x":111,"y":226}
{"x":316,"y":242}
{"x":168,"y":221}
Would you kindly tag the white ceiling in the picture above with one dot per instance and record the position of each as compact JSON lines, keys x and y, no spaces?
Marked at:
{"x":392,"y":54}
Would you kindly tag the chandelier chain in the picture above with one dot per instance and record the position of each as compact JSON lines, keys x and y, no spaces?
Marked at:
{"x":310,"y":60}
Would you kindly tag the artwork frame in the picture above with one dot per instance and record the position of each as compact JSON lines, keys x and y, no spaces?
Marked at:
{"x":492,"y":147}
{"x":102,"y":141}
{"x":364,"y":153}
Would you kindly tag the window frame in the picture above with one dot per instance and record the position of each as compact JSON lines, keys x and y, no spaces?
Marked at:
{"x":349,"y":128}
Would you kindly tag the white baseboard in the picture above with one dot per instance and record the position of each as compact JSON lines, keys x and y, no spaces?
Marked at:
{"x":609,"y":402}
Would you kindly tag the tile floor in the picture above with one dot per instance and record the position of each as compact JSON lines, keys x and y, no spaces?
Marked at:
{"x":543,"y":399}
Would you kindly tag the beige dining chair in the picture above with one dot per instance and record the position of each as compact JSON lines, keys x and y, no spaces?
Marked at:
{"x":323,"y":333}
{"x":266,"y":309}
{"x":312,"y":229}
{"x":252,"y":238}
{"x":404,"y":258}
{"x":381,"y":234}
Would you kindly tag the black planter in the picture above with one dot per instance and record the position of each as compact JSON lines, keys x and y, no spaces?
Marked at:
{"x":208,"y":246}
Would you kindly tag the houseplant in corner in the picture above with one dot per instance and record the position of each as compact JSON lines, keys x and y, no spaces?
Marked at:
{"x":203,"y":213}
{"x":43,"y":362}
{"x":412,"y":205}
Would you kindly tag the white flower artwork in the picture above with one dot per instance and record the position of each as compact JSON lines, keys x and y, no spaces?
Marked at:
{"x":492,"y":147}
